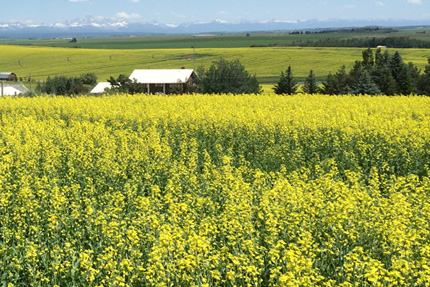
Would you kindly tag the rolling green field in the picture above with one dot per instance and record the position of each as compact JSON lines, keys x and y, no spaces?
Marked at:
{"x":266,"y":63}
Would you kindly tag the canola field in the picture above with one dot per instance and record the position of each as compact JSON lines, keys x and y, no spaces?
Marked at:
{"x":205,"y":190}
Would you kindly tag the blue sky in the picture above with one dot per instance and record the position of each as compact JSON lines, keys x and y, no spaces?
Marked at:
{"x":174,"y":11}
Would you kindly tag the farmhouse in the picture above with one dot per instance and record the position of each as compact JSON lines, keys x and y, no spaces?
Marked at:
{"x":162,"y":81}
{"x":7,"y":76}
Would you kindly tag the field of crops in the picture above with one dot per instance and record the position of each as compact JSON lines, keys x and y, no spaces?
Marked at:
{"x":229,"y":40}
{"x":202,"y":190}
{"x":266,"y":63}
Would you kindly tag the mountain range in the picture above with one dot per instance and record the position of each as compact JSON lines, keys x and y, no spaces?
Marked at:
{"x":93,"y":26}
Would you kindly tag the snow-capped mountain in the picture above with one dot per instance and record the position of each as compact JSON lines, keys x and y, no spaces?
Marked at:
{"x":117,"y":26}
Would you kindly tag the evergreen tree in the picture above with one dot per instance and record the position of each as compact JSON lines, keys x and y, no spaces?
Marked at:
{"x":365,"y":85}
{"x":337,"y":84}
{"x":287,"y":83}
{"x":387,"y":84}
{"x":356,"y":73}
{"x":311,"y":86}
{"x":396,"y":65}
{"x":368,"y":60}
{"x":424,"y":81}
{"x":382,"y":59}
{"x":405,"y":82}
{"x":415,"y":75}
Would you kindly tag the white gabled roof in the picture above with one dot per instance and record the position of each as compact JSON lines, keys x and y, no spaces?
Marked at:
{"x":167,"y":76}
{"x":100,"y":88}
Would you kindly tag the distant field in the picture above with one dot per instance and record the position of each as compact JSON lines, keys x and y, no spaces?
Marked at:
{"x":242,"y":40}
{"x":266,"y":63}
{"x":178,"y":42}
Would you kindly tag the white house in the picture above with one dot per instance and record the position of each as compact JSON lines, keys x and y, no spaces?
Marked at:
{"x":160,"y":81}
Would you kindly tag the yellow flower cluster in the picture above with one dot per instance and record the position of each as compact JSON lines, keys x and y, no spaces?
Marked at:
{"x":215,"y":190}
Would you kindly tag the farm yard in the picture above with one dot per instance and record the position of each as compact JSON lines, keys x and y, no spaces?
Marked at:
{"x":266,"y":63}
{"x":215,"y":190}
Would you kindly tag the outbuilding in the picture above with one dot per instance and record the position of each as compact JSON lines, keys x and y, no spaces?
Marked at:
{"x":161,"y":81}
{"x":9,"y":91}
{"x":101,"y":87}
{"x":7,"y":76}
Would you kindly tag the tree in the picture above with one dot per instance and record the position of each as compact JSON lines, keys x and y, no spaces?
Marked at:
{"x":337,"y":84}
{"x":182,"y":88}
{"x":368,"y":60}
{"x":396,"y":65}
{"x":311,"y":86}
{"x":123,"y":84}
{"x":227,"y":77}
{"x":62,"y":85}
{"x":365,"y":85}
{"x":405,"y":82}
{"x":379,"y":74}
{"x":89,"y":79}
{"x":387,"y":84}
{"x":287,"y":83}
{"x":424,"y":80}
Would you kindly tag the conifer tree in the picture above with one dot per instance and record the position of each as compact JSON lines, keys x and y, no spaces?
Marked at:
{"x":424,"y":80}
{"x":337,"y":84}
{"x":287,"y":83}
{"x":365,"y":85}
{"x":311,"y":86}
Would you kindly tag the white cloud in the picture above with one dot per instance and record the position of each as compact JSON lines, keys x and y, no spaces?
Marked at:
{"x":381,"y":4}
{"x":78,"y":0}
{"x":124,"y":15}
{"x":415,"y":2}
{"x":135,"y":1}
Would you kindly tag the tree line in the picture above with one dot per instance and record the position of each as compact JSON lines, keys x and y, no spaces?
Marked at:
{"x":390,"y":42}
{"x":66,"y":86}
{"x":377,"y":73}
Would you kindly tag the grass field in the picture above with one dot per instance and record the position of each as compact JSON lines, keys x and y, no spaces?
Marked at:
{"x":208,"y":40}
{"x":266,"y":63}
{"x":215,"y":190}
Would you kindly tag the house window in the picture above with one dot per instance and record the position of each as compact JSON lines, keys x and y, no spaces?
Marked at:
{"x":158,"y":85}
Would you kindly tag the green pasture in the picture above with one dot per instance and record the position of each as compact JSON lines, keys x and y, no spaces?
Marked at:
{"x":266,"y":63}
{"x":241,"y":40}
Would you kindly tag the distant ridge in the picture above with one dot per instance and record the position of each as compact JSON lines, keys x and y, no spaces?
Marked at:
{"x":90,"y":26}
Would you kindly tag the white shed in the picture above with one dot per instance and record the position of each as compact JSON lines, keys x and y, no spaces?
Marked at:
{"x":159,"y":81}
{"x":100,"y":88}
{"x":9,"y":91}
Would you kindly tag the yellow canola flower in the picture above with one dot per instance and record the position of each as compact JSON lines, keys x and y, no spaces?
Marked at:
{"x":215,"y":190}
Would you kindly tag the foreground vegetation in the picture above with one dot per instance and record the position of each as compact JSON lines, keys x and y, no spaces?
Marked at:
{"x":266,"y":63}
{"x":203,"y":190}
